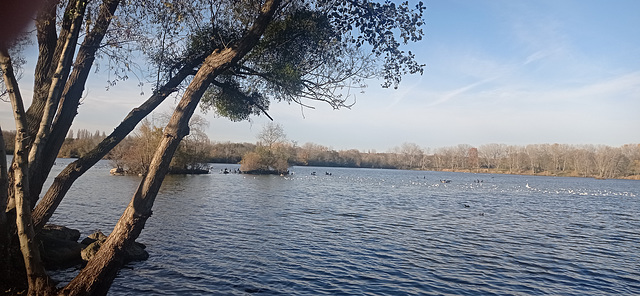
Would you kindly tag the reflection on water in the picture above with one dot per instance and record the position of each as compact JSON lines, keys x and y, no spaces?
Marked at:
{"x":373,"y":232}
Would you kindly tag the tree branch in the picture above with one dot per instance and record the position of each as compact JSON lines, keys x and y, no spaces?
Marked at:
{"x":62,"y":183}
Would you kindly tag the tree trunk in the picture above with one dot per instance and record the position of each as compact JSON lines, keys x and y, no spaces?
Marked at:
{"x":97,"y":276}
{"x":57,"y":83}
{"x":72,"y":94}
{"x":62,"y":183}
{"x":47,"y":39}
{"x":38,"y":281}
{"x":50,"y":48}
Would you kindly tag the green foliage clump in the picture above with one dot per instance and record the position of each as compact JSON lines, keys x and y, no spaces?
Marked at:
{"x":229,"y":101}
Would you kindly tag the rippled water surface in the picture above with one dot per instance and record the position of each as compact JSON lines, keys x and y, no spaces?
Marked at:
{"x":372,"y":232}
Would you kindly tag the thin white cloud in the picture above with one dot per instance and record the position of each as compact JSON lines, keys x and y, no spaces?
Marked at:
{"x":623,"y":86}
{"x":457,"y":92}
{"x":542,"y":54}
{"x":627,"y":84}
{"x":405,"y":91}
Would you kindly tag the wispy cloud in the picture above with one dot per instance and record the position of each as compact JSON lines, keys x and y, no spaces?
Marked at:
{"x":542,"y":54}
{"x":407,"y":90}
{"x":457,"y":92}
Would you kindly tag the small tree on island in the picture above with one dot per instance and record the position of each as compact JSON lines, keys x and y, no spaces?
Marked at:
{"x":271,"y":154}
{"x":133,"y":156}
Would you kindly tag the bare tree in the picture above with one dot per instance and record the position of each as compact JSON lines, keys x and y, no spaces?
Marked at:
{"x":271,"y":134}
{"x":491,"y":154}
{"x":606,"y":159}
{"x":411,"y":153}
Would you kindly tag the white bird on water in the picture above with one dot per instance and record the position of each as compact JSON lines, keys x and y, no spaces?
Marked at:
{"x":527,"y":186}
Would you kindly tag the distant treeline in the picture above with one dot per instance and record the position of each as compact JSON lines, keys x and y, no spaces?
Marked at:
{"x":75,"y":145}
{"x":599,"y":161}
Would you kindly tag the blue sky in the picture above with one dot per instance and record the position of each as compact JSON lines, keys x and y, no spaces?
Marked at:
{"x":513,"y":72}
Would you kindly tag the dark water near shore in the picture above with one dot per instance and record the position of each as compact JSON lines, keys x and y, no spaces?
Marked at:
{"x":372,"y":232}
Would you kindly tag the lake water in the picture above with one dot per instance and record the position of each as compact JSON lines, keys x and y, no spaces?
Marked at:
{"x":371,"y":232}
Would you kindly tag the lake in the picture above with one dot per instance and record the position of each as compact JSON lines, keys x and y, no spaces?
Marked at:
{"x":370,"y":232}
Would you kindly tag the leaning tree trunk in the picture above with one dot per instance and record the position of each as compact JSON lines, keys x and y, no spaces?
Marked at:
{"x":62,"y":183}
{"x":38,"y":281}
{"x":97,"y":276}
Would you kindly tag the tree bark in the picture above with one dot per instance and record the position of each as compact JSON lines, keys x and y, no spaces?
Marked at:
{"x":38,"y":281}
{"x":97,"y":276}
